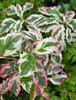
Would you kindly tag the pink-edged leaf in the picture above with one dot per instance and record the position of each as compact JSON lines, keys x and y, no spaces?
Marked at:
{"x":57,"y":31}
{"x":61,"y":39}
{"x":7,"y":69}
{"x":33,"y":45}
{"x":68,"y":15}
{"x":11,"y":10}
{"x":4,"y":86}
{"x":27,"y":6}
{"x":19,"y":10}
{"x":48,"y":28}
{"x":54,"y":68}
{"x":7,"y":24}
{"x":47,"y":46}
{"x":56,"y":58}
{"x":58,"y":79}
{"x":72,"y":24}
{"x":43,"y":10}
{"x":68,"y":35}
{"x":14,"y":85}
{"x":32,"y":35}
{"x":40,"y":76}
{"x":33,"y":27}
{"x":18,"y":25}
{"x":40,"y":91}
{"x":42,"y":61}
{"x":34,"y":18}
{"x":51,"y":11}
{"x":40,"y":79}
{"x":46,"y":21}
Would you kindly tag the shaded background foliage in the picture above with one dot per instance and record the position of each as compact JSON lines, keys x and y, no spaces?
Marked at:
{"x":67,"y":91}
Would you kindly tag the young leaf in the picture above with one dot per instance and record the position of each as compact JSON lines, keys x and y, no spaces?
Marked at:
{"x":68,"y":15}
{"x":19,"y":10}
{"x":11,"y":10}
{"x":27,"y":6}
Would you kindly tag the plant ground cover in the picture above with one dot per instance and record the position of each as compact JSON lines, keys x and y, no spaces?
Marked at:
{"x":67,"y":91}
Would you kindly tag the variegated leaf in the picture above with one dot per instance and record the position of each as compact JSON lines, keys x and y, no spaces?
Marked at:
{"x":61,"y":39}
{"x":40,"y":77}
{"x":7,"y":69}
{"x":19,"y":11}
{"x":14,"y":85}
{"x":4,"y":86}
{"x":57,"y":31}
{"x":74,"y":37}
{"x":42,"y":61}
{"x":10,"y":44}
{"x":18,"y":25}
{"x":72,"y":24}
{"x":39,"y":64}
{"x":46,"y":21}
{"x":56,"y":58}
{"x":47,"y":28}
{"x":27,"y":6}
{"x":26,"y":64}
{"x":34,"y":18}
{"x":68,"y":16}
{"x":32,"y":27}
{"x":32,"y":35}
{"x":68,"y":35}
{"x":40,"y":91}
{"x":58,"y":79}
{"x":51,"y":11}
{"x":11,"y":10}
{"x":54,"y":68}
{"x":47,"y":46}
{"x":26,"y":83}
{"x":7,"y":24}
{"x":32,"y":46}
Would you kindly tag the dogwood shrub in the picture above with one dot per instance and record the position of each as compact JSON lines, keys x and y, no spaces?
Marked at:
{"x":32,"y":59}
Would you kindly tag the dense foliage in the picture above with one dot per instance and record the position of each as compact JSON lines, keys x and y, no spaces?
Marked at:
{"x":31,"y":55}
